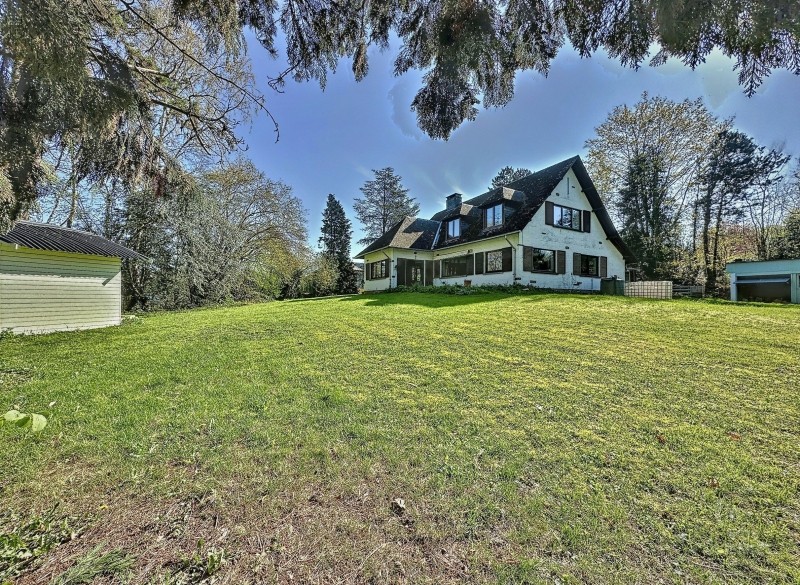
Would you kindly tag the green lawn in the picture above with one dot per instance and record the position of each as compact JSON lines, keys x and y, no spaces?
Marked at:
{"x":535,"y":438}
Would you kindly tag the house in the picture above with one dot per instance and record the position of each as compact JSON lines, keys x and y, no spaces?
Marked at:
{"x":58,"y":279}
{"x":765,"y":280}
{"x":547,"y":230}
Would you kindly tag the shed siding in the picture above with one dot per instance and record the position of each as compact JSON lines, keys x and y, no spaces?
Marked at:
{"x":43,"y":291}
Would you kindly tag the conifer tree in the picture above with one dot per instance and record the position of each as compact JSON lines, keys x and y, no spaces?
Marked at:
{"x":385,"y":202}
{"x":335,"y":242}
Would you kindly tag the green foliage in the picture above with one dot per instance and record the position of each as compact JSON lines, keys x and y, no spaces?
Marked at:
{"x":24,"y":542}
{"x":788,"y":245}
{"x":32,"y":421}
{"x":385,"y":202}
{"x":233,"y":231}
{"x":200,"y":567}
{"x":93,"y":565}
{"x":508,"y":175}
{"x":648,"y":217}
{"x":736,"y":165}
{"x":335,"y":242}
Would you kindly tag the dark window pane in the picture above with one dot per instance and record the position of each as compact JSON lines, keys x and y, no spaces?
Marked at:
{"x":543,"y":260}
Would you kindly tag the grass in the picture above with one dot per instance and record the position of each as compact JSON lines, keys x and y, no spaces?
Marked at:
{"x":536,"y":438}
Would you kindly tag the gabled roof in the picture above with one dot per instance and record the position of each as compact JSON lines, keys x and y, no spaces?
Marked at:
{"x":44,"y":236}
{"x":534,"y":189}
{"x":410,"y":233}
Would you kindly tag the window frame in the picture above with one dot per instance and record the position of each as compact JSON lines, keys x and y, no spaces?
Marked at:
{"x":381,"y":272}
{"x":493,"y":210}
{"x":451,"y":224}
{"x":552,"y":260}
{"x":446,"y":262}
{"x":586,"y":273}
{"x":558,"y":209}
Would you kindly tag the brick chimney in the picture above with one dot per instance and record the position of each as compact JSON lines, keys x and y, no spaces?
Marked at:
{"x":454,"y":201}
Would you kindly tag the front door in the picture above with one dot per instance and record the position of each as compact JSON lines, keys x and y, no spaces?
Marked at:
{"x":416,"y":273}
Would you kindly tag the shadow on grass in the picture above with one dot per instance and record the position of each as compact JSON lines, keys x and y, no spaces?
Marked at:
{"x":438,"y":300}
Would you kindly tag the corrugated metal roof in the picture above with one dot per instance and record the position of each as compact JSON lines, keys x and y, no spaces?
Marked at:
{"x":43,"y":236}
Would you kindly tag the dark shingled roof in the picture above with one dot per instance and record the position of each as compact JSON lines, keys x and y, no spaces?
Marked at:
{"x":43,"y":236}
{"x":524,"y":197}
{"x":411,"y":233}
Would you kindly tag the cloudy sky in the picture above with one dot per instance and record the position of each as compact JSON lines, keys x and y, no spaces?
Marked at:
{"x":330,"y":141}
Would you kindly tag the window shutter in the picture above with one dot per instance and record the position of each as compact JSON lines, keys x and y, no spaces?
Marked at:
{"x":548,"y":212}
{"x":436,"y":268}
{"x":470,"y":264}
{"x":576,"y":263}
{"x":367,"y":270}
{"x":587,"y":221}
{"x":561,"y":262}
{"x":428,"y":272}
{"x":401,"y":272}
{"x":479,"y":262}
{"x":506,"y":259}
{"x":603,"y":267}
{"x":527,"y":258}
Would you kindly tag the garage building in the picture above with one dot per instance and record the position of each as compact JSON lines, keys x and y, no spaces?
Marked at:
{"x":59,"y":279}
{"x":765,"y":280}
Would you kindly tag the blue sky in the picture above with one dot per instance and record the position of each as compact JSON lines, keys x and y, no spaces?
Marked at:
{"x":330,"y":141}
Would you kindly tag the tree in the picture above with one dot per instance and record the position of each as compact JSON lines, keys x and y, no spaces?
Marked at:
{"x":647,"y":214}
{"x":767,"y":203}
{"x":385,"y":202}
{"x":788,"y":246}
{"x":681,"y":134}
{"x":113,"y":89}
{"x":736,"y":165}
{"x":508,"y":175}
{"x":74,"y":70}
{"x":335,"y":242}
{"x":209,"y":239}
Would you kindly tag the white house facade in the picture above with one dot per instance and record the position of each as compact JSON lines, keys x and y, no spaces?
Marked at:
{"x":548,"y":230}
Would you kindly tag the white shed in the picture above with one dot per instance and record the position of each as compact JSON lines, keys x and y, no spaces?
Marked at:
{"x":59,"y":279}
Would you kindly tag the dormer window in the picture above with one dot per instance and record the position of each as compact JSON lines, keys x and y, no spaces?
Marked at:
{"x":453,"y":229}
{"x":494,"y":215}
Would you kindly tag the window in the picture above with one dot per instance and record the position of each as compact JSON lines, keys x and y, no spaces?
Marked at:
{"x":453,"y":228}
{"x":543,"y":260}
{"x":494,"y":215}
{"x":567,"y":217}
{"x":590,"y":265}
{"x":378,"y":269}
{"x":494,"y":261}
{"x":454,"y":266}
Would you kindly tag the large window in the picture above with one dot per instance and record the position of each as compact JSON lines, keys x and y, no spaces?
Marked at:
{"x":494,"y":215}
{"x":567,"y":217}
{"x":543,"y":260}
{"x":590,"y":265}
{"x":454,"y":266}
{"x":453,"y":229}
{"x":378,"y":269}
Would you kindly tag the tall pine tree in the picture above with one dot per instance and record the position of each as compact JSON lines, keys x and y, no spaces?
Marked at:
{"x":385,"y":202}
{"x":335,"y":243}
{"x":648,"y":215}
